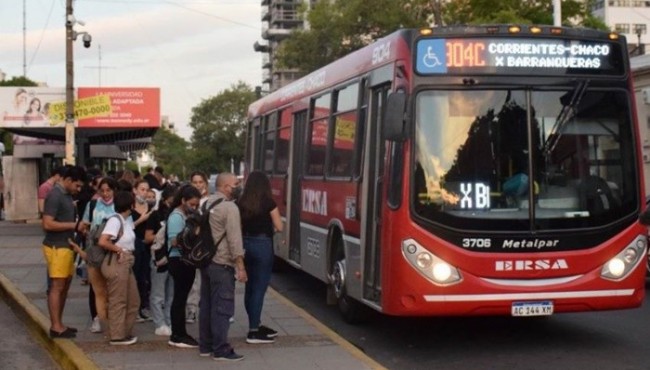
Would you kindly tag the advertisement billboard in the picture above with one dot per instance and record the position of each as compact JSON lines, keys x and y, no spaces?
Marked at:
{"x":130,"y":107}
{"x":23,"y":107}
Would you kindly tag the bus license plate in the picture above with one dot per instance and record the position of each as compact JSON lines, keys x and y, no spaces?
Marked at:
{"x":544,"y":308}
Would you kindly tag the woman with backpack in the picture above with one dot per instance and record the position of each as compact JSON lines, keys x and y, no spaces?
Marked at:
{"x":185,"y":203}
{"x":96,"y":211}
{"x":162,"y":284}
{"x":260,"y":219}
{"x":199,"y":180}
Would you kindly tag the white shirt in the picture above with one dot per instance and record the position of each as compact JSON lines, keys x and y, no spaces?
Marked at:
{"x":127,"y":241}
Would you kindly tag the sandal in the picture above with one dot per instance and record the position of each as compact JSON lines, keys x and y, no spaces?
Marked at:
{"x":67,"y":333}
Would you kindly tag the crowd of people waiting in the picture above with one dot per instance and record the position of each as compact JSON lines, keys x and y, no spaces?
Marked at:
{"x":134,"y":283}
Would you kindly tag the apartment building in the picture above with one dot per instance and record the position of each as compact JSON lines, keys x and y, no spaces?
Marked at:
{"x":628,"y":17}
{"x":279,"y":19}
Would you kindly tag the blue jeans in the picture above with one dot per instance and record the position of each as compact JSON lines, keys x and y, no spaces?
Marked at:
{"x":259,"y":264}
{"x":161,"y":296}
{"x":216,"y":307}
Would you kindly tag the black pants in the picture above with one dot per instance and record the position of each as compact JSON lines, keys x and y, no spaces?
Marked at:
{"x":92,"y":304}
{"x":142,"y":271}
{"x":183,"y":279}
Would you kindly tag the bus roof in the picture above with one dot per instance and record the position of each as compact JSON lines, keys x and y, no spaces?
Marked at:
{"x":385,"y":50}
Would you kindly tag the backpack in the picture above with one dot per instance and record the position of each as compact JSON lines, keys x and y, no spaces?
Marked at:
{"x":195,"y":241}
{"x":159,"y":248}
{"x":94,"y":253}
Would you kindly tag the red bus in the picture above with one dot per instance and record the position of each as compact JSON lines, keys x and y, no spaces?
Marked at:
{"x":405,"y":173}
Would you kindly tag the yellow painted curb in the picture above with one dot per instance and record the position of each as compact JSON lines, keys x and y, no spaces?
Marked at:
{"x":66,"y":353}
{"x":356,"y":352}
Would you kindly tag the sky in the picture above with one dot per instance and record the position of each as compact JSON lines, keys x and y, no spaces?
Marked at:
{"x":190,"y":49}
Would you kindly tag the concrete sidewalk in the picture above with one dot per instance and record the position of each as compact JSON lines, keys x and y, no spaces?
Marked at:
{"x":303,"y":342}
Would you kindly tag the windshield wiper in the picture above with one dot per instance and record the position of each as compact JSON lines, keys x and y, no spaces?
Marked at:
{"x":568,"y":111}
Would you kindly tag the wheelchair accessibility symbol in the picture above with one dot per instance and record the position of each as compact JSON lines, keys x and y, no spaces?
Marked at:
{"x":430,"y":59}
{"x":431,"y":56}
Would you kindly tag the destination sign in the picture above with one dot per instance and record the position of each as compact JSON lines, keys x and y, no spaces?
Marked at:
{"x":518,"y":56}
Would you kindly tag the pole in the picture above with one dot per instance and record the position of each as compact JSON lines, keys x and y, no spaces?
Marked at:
{"x":24,"y":38}
{"x":69,"y":87}
{"x":557,"y":13}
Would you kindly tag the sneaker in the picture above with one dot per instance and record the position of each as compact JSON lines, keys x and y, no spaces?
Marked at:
{"x":256,"y":337}
{"x":190,"y":318}
{"x":183,"y":342}
{"x":142,"y":316}
{"x":163,"y":331}
{"x":268,"y":331}
{"x":125,"y":341}
{"x":96,"y":326}
{"x":231,"y":320}
{"x":230,"y":356}
{"x":205,"y":354}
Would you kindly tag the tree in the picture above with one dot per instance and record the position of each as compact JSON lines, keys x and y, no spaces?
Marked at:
{"x":574,"y":13}
{"x":342,"y":26}
{"x":6,"y":136}
{"x":219,"y":124}
{"x":171,"y":152}
{"x":339,"y":27}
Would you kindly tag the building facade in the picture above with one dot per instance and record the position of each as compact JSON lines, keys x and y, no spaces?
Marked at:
{"x":627,"y":17}
{"x":279,"y":19}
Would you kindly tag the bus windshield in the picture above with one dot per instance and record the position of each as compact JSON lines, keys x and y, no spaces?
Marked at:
{"x":483,"y":157}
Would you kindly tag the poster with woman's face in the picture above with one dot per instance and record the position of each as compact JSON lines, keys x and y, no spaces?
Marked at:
{"x":28,"y":106}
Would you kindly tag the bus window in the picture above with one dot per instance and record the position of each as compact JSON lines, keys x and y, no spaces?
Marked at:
{"x":321,"y":107}
{"x":317,"y":145}
{"x":343,"y":148}
{"x":345,"y":128}
{"x":318,"y":133}
{"x":347,"y":98}
{"x":474,"y":157}
{"x":282,"y":145}
{"x":269,"y":142}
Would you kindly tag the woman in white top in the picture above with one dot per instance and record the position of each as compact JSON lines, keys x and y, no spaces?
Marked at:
{"x":118,"y":238}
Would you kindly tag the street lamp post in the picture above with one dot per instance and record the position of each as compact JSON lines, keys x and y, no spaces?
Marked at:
{"x":69,"y":86}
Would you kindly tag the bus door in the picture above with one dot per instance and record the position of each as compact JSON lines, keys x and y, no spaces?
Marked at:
{"x":295,"y":174}
{"x":371,"y":190}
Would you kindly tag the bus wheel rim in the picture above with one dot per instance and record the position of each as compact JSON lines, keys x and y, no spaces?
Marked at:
{"x":339,"y":278}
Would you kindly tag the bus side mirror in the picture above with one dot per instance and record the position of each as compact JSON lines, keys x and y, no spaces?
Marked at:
{"x":393,"y":125}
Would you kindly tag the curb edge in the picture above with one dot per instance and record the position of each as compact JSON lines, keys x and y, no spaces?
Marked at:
{"x":355,"y":351}
{"x":64,"y":351}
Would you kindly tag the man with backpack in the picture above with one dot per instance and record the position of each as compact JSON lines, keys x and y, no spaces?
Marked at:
{"x":217,"y":304}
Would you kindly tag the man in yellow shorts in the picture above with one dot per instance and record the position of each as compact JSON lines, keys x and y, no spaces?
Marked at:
{"x":59,"y":224}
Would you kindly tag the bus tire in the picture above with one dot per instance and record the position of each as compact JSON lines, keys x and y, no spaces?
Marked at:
{"x":351,"y":310}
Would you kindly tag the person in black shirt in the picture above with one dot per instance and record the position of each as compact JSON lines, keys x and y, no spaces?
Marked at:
{"x":260,"y":218}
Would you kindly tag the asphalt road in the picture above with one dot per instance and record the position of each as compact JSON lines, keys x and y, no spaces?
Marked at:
{"x":596,"y":340}
{"x":18,"y":349}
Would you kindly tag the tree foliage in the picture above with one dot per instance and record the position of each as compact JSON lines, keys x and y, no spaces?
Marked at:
{"x":171,"y":152}
{"x":219,"y":125}
{"x":339,"y":27}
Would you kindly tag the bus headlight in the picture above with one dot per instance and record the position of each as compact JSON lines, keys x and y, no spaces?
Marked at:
{"x":429,"y":265}
{"x":441,"y":271}
{"x":625,"y":261}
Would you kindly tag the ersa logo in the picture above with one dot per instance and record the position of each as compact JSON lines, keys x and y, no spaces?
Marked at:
{"x":532,"y":265}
